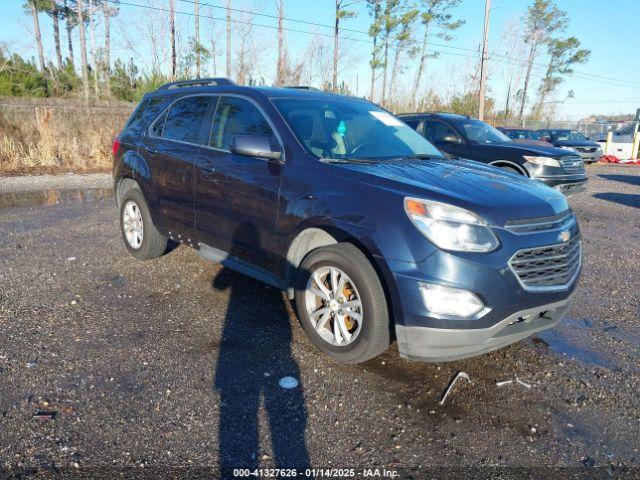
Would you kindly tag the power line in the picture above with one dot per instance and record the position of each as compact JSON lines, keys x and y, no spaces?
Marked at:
{"x":580,"y":75}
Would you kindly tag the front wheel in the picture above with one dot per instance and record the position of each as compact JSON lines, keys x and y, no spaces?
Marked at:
{"x":341,"y":304}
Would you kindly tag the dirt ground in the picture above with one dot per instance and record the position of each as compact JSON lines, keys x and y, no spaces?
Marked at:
{"x":110,"y":366}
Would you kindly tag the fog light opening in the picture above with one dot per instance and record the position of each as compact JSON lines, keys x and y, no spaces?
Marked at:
{"x":449,"y":301}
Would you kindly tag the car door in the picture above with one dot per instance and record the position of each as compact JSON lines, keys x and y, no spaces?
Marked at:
{"x":439,"y":134}
{"x":237,"y":196}
{"x":171,"y":151}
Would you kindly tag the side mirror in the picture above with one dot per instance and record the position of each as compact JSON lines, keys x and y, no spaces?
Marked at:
{"x":254,"y":146}
{"x":450,"y":139}
{"x":588,"y":138}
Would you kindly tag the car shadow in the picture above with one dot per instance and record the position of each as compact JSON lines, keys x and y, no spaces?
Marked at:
{"x":627,"y":199}
{"x":630,"y":179}
{"x":254,"y":354}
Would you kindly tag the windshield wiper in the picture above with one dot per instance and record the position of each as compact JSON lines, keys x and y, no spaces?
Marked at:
{"x":426,"y":156}
{"x":347,"y":160}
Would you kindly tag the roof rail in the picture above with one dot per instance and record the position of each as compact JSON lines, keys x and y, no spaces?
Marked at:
{"x":197,"y":82}
{"x":303,"y":87}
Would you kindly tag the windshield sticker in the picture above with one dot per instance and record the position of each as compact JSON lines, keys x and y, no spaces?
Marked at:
{"x":342,"y":128}
{"x":387,"y":118}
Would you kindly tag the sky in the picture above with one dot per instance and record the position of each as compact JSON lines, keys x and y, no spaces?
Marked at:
{"x":609,"y":83}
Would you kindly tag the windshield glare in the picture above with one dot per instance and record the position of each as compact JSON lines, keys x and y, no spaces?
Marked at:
{"x":350,"y":129}
{"x":568,"y":136}
{"x":479,"y":132}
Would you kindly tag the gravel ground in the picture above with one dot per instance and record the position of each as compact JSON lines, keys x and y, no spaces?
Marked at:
{"x":173,"y":364}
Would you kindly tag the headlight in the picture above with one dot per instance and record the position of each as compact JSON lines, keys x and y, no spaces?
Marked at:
{"x":547,"y":161}
{"x":443,"y":300}
{"x":571,"y":149}
{"x":449,"y":227}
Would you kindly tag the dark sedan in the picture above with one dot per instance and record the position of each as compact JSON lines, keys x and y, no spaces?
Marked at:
{"x":465,"y":137}
{"x":523,"y":135}
{"x":573,"y":141}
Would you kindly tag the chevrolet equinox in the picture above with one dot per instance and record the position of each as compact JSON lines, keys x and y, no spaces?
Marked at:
{"x":365,"y":225}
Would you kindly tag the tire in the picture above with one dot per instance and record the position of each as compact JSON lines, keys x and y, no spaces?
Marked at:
{"x":356,"y":281}
{"x":152,"y":243}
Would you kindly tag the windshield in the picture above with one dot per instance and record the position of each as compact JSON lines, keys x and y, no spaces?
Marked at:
{"x":567,"y":136}
{"x":480,"y":132}
{"x":346,"y":129}
{"x":522,"y":135}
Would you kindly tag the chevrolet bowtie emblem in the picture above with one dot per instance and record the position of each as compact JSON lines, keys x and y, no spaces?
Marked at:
{"x":564,"y":236}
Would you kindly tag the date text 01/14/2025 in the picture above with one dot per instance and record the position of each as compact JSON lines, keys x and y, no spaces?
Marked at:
{"x":315,"y":473}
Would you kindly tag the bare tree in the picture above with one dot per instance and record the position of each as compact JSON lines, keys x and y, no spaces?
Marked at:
{"x":375,"y":31}
{"x":94,"y":46}
{"x":70,"y":21}
{"x":196,"y":14}
{"x":434,"y":13}
{"x":390,"y":21}
{"x":172,"y":27}
{"x":34,"y":7}
{"x":107,"y":12}
{"x":83,"y":50}
{"x":544,"y":18}
{"x":55,"y":13}
{"x":280,"y":69}
{"x":228,"y":39}
{"x":341,"y":12}
{"x":402,"y":42}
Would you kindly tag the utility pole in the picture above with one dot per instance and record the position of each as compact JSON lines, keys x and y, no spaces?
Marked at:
{"x":483,"y":68}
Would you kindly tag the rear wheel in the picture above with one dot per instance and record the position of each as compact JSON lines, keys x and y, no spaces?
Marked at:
{"x":341,"y":304}
{"x":141,"y":237}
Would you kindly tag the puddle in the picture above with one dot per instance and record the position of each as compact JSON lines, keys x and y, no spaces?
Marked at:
{"x":559,"y":343}
{"x":53,"y":197}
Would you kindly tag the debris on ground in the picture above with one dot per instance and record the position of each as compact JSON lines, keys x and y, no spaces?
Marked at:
{"x":288,"y":382}
{"x":517,"y":380}
{"x":45,"y":415}
{"x":452,"y":383}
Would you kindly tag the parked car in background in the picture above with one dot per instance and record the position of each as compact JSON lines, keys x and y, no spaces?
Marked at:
{"x":573,"y":141}
{"x":465,"y":137}
{"x":523,"y":135}
{"x":349,"y":211}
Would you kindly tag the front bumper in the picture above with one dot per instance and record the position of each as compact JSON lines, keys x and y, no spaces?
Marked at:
{"x":513,"y":311}
{"x":591,"y":156}
{"x":558,"y":178}
{"x":438,"y":345}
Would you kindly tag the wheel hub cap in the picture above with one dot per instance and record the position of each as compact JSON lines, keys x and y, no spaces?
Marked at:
{"x":334,"y":305}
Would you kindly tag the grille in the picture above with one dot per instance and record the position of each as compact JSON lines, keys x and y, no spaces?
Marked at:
{"x":548,"y":268}
{"x":586,"y":149}
{"x":561,"y":221}
{"x":572,"y":164}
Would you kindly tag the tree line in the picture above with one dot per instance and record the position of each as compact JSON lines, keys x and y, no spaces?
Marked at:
{"x":403,"y":38}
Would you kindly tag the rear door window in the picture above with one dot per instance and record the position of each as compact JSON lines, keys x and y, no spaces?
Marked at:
{"x":435,"y":131}
{"x":237,"y":116}
{"x":184,"y":120}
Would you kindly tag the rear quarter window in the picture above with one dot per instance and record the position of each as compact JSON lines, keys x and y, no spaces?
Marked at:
{"x":144,"y":114}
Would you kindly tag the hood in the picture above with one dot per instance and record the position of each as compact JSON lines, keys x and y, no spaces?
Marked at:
{"x":495,"y":195}
{"x":569,"y":143}
{"x":531,"y":141}
{"x":519,"y":148}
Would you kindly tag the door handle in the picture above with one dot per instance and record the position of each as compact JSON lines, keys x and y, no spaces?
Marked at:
{"x":151,"y":151}
{"x":208,"y":167}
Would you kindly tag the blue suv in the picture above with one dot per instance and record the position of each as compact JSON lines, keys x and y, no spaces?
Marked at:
{"x":365,"y":225}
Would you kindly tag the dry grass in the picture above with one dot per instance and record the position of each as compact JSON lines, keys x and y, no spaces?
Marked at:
{"x":57,"y":136}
